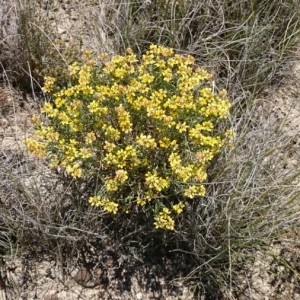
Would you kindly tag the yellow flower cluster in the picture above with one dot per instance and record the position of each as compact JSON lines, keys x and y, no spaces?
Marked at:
{"x":153,"y":181}
{"x":124,"y":119}
{"x":74,"y":170}
{"x":105,"y":203}
{"x":121,"y":158}
{"x":146,"y":141}
{"x":48,"y":84}
{"x":164,"y":220}
{"x":35,"y":147}
{"x":113,"y":184}
{"x":178,"y":208}
{"x":151,"y":125}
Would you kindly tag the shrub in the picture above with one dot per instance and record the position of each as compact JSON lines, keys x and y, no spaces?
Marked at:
{"x":145,"y":129}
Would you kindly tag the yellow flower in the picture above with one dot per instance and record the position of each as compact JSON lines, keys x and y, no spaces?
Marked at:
{"x":120,"y":73}
{"x":204,"y":156}
{"x":36,"y":148}
{"x":94,"y":107}
{"x":178,"y":208}
{"x":105,"y":203}
{"x":74,"y":69}
{"x":147,"y":78}
{"x":165,"y":51}
{"x":74,"y":170}
{"x":49,"y":84}
{"x":111,"y":185}
{"x":165,"y":142}
{"x":111,"y":207}
{"x":175,"y":161}
{"x":122,"y":157}
{"x":90,"y":137}
{"x":85,"y":76}
{"x":182,"y":127}
{"x":140,"y":201}
{"x":155,"y":182}
{"x":200,"y":175}
{"x":194,"y":190}
{"x":86,"y":153}
{"x":64,"y":118}
{"x":167,"y":74}
{"x":121,"y":176}
{"x":184,"y":173}
{"x":146,"y":141}
{"x":124,"y":119}
{"x":164,"y":220}
{"x":111,"y":132}
{"x":109,"y":146}
{"x":49,"y":110}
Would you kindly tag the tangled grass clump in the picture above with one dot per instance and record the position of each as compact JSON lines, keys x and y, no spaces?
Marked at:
{"x":145,"y":129}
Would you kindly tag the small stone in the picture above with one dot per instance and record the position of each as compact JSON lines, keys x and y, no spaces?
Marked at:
{"x":139,"y":296}
{"x":50,"y":297}
{"x":61,"y":30}
{"x":82,"y":277}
